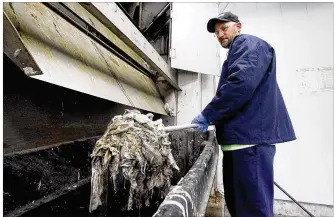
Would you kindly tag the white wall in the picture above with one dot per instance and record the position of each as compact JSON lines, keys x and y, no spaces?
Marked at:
{"x":302,"y":35}
{"x":197,"y":91}
{"x":192,"y":47}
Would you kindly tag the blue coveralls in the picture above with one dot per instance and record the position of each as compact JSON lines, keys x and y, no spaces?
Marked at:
{"x":248,"y":108}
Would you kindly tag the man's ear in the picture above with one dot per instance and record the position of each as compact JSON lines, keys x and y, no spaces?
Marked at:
{"x":239,"y":25}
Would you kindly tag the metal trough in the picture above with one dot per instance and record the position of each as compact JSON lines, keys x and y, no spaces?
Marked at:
{"x":55,"y":180}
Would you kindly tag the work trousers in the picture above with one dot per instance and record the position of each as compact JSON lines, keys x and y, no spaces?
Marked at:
{"x":248,"y":181}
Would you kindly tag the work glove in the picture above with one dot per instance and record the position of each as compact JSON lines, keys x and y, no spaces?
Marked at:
{"x":202,"y":123}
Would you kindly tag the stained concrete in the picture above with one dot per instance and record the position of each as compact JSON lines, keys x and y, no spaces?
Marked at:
{"x":282,"y":208}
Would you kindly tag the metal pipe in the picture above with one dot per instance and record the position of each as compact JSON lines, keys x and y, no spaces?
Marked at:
{"x":45,"y":147}
{"x":310,"y":214}
{"x":179,"y":127}
{"x":186,"y":126}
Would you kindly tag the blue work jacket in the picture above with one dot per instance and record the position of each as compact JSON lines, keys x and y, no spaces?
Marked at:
{"x":248,"y":107}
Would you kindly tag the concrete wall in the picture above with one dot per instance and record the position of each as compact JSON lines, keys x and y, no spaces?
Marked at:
{"x":197,"y":91}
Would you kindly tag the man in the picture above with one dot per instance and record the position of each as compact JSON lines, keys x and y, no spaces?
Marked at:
{"x":250,"y":116}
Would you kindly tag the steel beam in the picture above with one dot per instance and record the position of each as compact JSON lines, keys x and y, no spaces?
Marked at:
{"x":113,"y":17}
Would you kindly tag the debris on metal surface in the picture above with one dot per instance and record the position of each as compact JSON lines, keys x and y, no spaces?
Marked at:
{"x":50,"y":44}
{"x":139,"y":148}
{"x":169,"y":110}
{"x":30,"y":71}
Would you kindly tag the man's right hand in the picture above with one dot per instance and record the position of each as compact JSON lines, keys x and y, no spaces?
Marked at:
{"x":202,"y":123}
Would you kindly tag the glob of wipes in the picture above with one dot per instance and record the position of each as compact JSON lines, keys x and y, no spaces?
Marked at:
{"x":137,"y":148}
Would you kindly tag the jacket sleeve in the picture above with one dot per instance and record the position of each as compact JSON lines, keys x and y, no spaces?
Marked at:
{"x":247,"y":65}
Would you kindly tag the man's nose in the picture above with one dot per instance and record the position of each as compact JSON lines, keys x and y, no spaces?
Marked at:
{"x":219,"y":34}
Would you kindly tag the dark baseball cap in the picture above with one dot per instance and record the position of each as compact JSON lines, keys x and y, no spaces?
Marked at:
{"x":223,"y":17}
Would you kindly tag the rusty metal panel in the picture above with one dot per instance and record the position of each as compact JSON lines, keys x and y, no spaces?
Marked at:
{"x":69,"y":58}
{"x":92,"y":20}
{"x":113,"y":17}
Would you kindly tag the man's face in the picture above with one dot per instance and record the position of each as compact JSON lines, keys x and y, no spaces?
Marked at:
{"x":226,"y":31}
